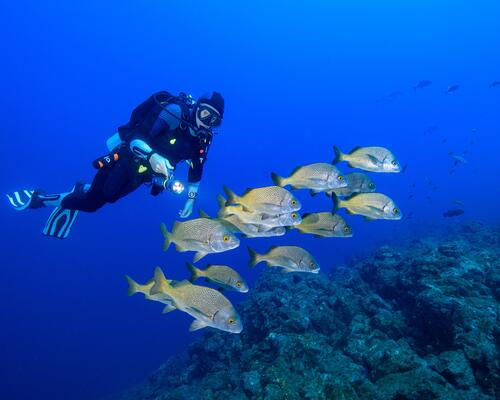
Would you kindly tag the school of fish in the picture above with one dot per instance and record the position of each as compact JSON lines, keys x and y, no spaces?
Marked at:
{"x":267,"y":211}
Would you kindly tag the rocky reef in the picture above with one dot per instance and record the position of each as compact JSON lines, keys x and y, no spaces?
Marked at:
{"x":413,"y":322}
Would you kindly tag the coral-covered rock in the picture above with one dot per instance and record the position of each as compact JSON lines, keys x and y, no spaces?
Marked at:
{"x":417,"y":322}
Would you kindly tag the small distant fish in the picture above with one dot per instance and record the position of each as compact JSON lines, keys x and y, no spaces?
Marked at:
{"x":457,"y":158}
{"x":422,"y":84}
{"x":370,"y":205}
{"x":405,"y":167}
{"x":202,"y":235}
{"x":458,"y":202}
{"x":358,"y":183}
{"x":319,"y":176}
{"x":271,"y":200}
{"x":494,"y":83}
{"x":431,"y":129}
{"x":413,"y":185}
{"x":221,"y":275}
{"x":411,"y":196}
{"x":453,"y":213}
{"x":290,"y":258}
{"x":208,"y":306}
{"x":324,"y":224}
{"x":444,"y":141}
{"x":373,"y":159}
{"x":435,"y":187}
{"x":452,"y":88}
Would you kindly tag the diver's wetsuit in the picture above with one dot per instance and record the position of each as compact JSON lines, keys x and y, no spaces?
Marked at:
{"x":150,"y":129}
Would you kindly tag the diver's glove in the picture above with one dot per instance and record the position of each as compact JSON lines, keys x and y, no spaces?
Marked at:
{"x":160,"y":165}
{"x":189,"y":205}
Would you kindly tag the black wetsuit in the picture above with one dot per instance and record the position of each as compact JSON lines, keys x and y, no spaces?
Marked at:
{"x":167,"y":136}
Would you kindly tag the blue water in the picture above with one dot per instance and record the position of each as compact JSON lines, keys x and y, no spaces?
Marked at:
{"x":297,"y":79}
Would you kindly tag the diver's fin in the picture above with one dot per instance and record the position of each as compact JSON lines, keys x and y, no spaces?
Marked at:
{"x":197,"y":324}
{"x":338,"y":155}
{"x":168,"y":308}
{"x":166,"y":235}
{"x":21,"y":199}
{"x":195,"y":272}
{"x":60,"y":222}
{"x":198,"y":256}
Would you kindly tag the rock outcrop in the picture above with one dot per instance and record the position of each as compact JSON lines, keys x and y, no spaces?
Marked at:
{"x":414,"y":322}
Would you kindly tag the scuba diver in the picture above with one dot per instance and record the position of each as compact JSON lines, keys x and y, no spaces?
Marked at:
{"x":162,"y":131}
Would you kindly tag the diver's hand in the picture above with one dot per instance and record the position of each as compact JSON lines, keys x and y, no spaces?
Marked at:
{"x":188,"y":209}
{"x":160,"y":165}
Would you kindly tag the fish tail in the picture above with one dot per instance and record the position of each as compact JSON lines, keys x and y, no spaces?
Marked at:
{"x":195,"y":272}
{"x":221,"y":201}
{"x":167,"y":235}
{"x":133,"y":286}
{"x":160,"y":282}
{"x":338,"y":155}
{"x":278,"y":180}
{"x":255,"y":258}
{"x":231,"y":196}
{"x":337,"y":203}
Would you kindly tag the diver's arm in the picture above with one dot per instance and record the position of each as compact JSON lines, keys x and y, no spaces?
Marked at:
{"x":159,"y":163}
{"x":194,"y":177}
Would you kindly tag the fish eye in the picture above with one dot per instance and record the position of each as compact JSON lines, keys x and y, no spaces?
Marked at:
{"x":293,"y":202}
{"x":312,"y":264}
{"x":294,"y":215}
{"x":231,"y":321}
{"x":340,"y":178}
{"x":371,"y":185}
{"x":225,"y":238}
{"x":347,"y":229}
{"x":394,"y":162}
{"x":395,"y":211}
{"x":238,"y":284}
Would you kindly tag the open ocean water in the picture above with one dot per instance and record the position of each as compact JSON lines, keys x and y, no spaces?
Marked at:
{"x":297,"y":78}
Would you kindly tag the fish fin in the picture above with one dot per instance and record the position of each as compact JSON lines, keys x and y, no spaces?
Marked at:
{"x":168,"y":308}
{"x":313,"y":192}
{"x":254,"y":257}
{"x":197,"y":324}
{"x":178,"y":284}
{"x":198,"y":256}
{"x":370,"y":219}
{"x":133,"y":286}
{"x":335,"y":202}
{"x":231,"y":196}
{"x":287,"y":270}
{"x":374,"y":160}
{"x":160,"y":282}
{"x":203,"y":214}
{"x":167,"y":235}
{"x":277,"y":180}
{"x":245,"y":208}
{"x":221,"y":201}
{"x":195,"y":272}
{"x":355,"y":148}
{"x":338,"y":155}
{"x":220,"y":289}
{"x":305,"y":215}
{"x":180,"y":248}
